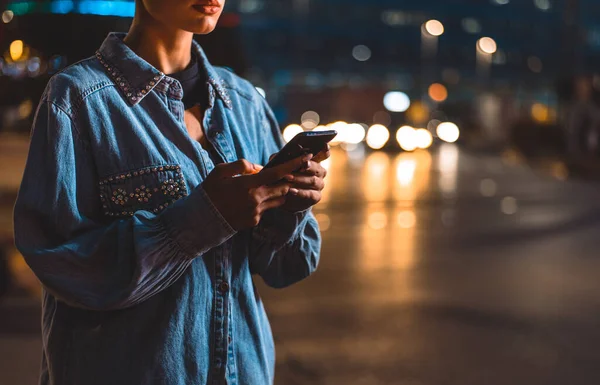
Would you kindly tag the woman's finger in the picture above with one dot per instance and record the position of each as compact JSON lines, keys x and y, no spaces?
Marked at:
{"x":323,"y":155}
{"x":308,"y":182}
{"x":313,"y":168}
{"x":311,"y":195}
{"x":272,"y":204}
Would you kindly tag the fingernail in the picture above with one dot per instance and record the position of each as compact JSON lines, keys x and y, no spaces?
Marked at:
{"x":289,"y":178}
{"x":307,"y":158}
{"x":294,"y":191}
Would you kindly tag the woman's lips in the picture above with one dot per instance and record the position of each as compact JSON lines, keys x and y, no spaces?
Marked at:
{"x":207,"y":9}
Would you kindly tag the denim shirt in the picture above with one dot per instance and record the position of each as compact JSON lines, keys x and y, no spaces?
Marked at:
{"x":144,"y":281}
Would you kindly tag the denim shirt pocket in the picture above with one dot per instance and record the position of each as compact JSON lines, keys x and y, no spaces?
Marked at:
{"x":151,"y":188}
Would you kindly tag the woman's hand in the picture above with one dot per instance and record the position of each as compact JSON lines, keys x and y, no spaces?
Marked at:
{"x":242,"y":194}
{"x":306,"y":185}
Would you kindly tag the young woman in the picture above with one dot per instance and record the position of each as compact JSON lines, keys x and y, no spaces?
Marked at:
{"x":144,"y":214}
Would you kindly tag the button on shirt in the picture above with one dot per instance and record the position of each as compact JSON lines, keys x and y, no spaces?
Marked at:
{"x":144,"y":281}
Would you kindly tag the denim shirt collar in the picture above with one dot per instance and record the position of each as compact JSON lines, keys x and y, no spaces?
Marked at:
{"x":135,"y":77}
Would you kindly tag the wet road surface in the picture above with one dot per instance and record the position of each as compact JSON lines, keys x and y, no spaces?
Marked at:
{"x":438,"y":268}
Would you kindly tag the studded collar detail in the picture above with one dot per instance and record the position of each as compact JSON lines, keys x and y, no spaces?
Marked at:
{"x":135,"y":77}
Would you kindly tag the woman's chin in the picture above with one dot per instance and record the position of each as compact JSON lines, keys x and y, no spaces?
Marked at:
{"x":203,"y":26}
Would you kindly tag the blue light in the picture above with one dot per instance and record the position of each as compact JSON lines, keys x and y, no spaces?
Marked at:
{"x":124,"y":8}
{"x":61,"y":7}
{"x":107,"y":8}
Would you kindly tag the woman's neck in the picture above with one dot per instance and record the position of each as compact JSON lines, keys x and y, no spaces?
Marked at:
{"x":169,"y":50}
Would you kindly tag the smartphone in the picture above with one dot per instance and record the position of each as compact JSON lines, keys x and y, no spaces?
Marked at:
{"x":310,"y":142}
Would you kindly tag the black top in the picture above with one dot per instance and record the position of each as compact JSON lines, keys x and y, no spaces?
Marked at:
{"x":193,"y":82}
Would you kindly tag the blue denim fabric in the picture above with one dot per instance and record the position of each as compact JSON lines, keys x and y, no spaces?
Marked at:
{"x":144,"y":281}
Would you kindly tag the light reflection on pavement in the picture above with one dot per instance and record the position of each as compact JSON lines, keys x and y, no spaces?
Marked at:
{"x":439,"y":267}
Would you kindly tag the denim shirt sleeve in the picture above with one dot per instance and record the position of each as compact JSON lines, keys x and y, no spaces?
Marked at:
{"x":285,"y":246}
{"x":83,"y":258}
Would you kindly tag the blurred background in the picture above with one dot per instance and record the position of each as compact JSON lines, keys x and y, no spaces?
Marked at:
{"x":461,"y":216}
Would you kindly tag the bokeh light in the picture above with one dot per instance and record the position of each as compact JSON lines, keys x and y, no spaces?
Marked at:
{"x":487,"y":45}
{"x":406,"y":219}
{"x":470,"y":25}
{"x":543,"y":5}
{"x":396,"y":101}
{"x":310,"y":120}
{"x":434,"y":28}
{"x":438,"y":92}
{"x":540,"y":112}
{"x":290,"y":131}
{"x":16,"y":49}
{"x":324,"y":221}
{"x":509,"y":206}
{"x":361,"y":53}
{"x":448,"y":132}
{"x":535,"y":64}
{"x":25,"y":109}
{"x":341,"y":128}
{"x":377,"y":220}
{"x":354,"y":133}
{"x":407,"y":138}
{"x":423,"y":138}
{"x":7,"y":16}
{"x":418,"y":113}
{"x":488,"y":188}
{"x":433,"y":125}
{"x":377,"y":136}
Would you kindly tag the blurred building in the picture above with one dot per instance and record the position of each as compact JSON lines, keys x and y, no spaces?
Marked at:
{"x":481,"y":63}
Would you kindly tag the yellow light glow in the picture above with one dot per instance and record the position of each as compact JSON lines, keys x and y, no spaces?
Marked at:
{"x":540,"y":113}
{"x":21,"y":272}
{"x":405,"y":171}
{"x":324,"y":221}
{"x":377,"y":136}
{"x":438,"y":92}
{"x":434,"y":28}
{"x":413,"y":173}
{"x":340,"y":127}
{"x":375,"y":179}
{"x":448,"y":167}
{"x":448,"y":132}
{"x":336,"y":183}
{"x":418,"y":113}
{"x":354,"y":133}
{"x":487,"y":45}
{"x":25,"y":109}
{"x":560,"y":170}
{"x":406,"y":219}
{"x":407,"y":138}
{"x":377,"y":220}
{"x":424,"y":139}
{"x":16,"y":49}
{"x":291,"y":131}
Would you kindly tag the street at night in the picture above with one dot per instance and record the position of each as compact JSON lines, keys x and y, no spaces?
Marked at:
{"x":457,"y":209}
{"x":441,"y":267}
